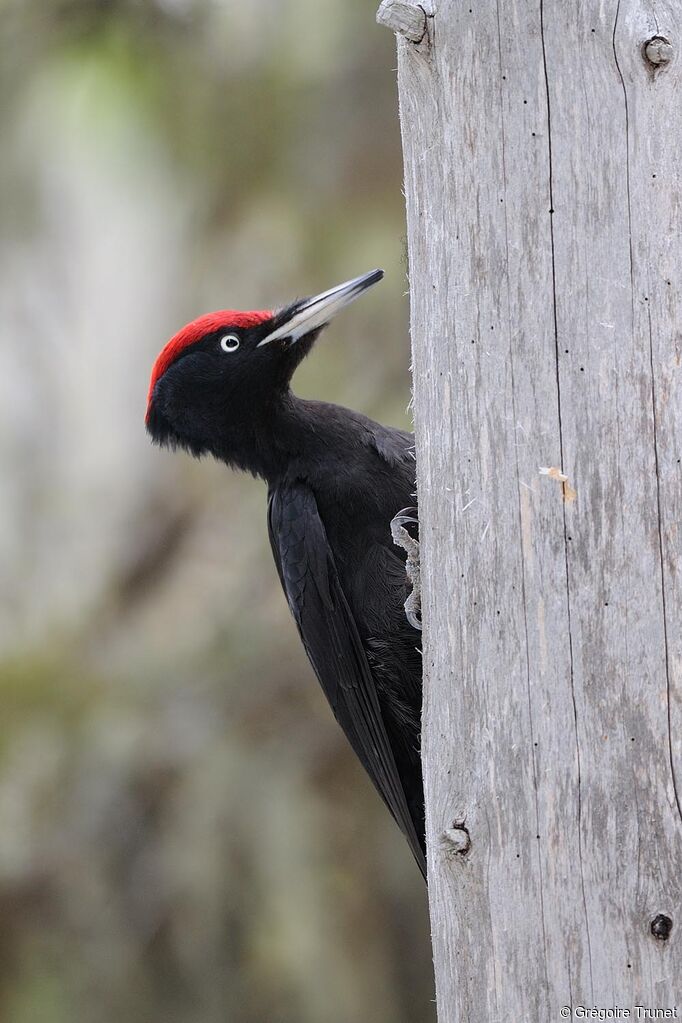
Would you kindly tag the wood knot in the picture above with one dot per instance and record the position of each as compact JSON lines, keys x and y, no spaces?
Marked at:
{"x":658,"y":50}
{"x":661,"y":926}
{"x":405,"y":18}
{"x":456,"y":840}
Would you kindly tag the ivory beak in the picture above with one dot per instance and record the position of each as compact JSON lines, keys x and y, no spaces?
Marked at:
{"x":313,"y":313}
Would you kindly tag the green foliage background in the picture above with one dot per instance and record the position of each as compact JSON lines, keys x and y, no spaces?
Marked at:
{"x":184,"y":835}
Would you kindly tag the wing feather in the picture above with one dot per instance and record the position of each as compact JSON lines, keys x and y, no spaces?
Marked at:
{"x":307,"y":570}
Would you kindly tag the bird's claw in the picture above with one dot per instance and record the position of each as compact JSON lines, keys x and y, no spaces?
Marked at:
{"x":403,"y":538}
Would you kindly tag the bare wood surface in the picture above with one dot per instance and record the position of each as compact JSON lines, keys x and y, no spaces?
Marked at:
{"x":543,"y":159}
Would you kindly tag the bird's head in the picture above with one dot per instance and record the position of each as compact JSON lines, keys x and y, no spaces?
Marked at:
{"x":222,"y":373}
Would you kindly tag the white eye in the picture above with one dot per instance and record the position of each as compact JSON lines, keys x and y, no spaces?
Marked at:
{"x":229,"y":343}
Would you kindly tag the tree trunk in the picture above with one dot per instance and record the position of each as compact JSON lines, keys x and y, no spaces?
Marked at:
{"x":543,"y":160}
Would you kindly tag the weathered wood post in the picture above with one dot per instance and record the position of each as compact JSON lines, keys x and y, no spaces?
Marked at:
{"x":543,"y":175}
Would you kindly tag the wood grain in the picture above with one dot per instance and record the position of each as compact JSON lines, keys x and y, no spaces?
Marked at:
{"x":543,"y":160}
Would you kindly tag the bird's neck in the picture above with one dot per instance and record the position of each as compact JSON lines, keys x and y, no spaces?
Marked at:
{"x":287,"y":434}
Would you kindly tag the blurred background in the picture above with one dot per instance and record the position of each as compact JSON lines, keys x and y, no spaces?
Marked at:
{"x":184,"y":834}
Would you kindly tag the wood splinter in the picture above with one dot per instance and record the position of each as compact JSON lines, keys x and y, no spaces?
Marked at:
{"x":554,"y":473}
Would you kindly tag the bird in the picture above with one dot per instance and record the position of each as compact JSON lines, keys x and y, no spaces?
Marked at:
{"x":336,"y":481}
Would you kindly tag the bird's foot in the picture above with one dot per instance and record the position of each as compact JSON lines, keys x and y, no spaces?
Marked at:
{"x":403,"y":538}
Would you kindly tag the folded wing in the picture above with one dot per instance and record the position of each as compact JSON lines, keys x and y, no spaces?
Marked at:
{"x":330,"y":636}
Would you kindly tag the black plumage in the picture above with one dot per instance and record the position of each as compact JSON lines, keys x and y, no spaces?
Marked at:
{"x":335,"y":480}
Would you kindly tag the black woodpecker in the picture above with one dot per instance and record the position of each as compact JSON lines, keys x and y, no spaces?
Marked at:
{"x":336,"y":480}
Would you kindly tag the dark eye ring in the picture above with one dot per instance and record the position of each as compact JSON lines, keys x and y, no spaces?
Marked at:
{"x":229,"y":342}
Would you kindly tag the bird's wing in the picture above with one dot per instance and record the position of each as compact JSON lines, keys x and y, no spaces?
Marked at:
{"x":308,"y":574}
{"x":396,"y":447}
